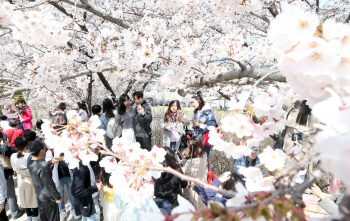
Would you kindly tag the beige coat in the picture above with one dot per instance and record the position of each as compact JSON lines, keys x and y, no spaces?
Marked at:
{"x":293,"y":127}
{"x":197,"y":168}
{"x":26,"y":192}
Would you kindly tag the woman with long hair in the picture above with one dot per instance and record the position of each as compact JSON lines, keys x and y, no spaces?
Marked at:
{"x":26,"y":192}
{"x":82,"y":111}
{"x":299,"y":126}
{"x":168,"y":186}
{"x":196,"y":166}
{"x":125,"y":118}
{"x":202,"y":119}
{"x":173,"y":125}
{"x":25,"y":115}
{"x":109,"y":113}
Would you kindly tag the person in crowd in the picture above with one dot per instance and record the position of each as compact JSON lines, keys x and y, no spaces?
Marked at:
{"x":85,"y":190}
{"x":109,"y":113}
{"x":38,"y":127}
{"x":81,"y":108}
{"x":5,"y":123}
{"x":196,"y":166}
{"x":328,"y":202}
{"x":226,"y":181}
{"x":168,"y":186}
{"x":299,"y":126}
{"x":45,"y":188}
{"x":142,"y":122}
{"x":25,"y":116}
{"x":13,"y":133}
{"x":125,"y":118}
{"x":173,"y":125}
{"x":96,"y":111}
{"x":251,"y":160}
{"x":26,"y":192}
{"x":202,"y":119}
{"x":30,"y":137}
{"x":7,"y":150}
{"x":59,"y":116}
{"x":3,"y":194}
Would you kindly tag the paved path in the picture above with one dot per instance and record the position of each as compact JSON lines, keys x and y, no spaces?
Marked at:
{"x":24,"y":217}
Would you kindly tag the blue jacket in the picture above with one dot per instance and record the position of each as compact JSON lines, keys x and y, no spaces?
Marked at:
{"x":210,"y":195}
{"x":209,"y":120}
{"x":244,"y":162}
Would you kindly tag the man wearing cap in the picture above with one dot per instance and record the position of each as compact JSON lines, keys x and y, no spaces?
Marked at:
{"x":45,"y":188}
{"x":248,"y":161}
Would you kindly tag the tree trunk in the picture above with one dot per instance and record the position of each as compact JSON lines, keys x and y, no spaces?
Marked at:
{"x":89,"y":97}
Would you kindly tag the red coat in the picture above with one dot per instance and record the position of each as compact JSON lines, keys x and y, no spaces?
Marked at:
{"x":12,"y":134}
{"x":27,"y":119}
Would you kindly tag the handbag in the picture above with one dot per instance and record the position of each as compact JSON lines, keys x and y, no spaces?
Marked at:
{"x":205,"y":138}
{"x":211,"y":175}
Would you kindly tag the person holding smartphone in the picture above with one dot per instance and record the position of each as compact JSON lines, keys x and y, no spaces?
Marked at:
{"x":173,"y":125}
{"x":142,"y":121}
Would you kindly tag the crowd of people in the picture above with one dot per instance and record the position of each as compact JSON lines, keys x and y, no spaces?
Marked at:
{"x":41,"y":174}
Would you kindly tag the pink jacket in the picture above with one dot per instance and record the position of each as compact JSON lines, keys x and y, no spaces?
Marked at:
{"x":27,"y":119}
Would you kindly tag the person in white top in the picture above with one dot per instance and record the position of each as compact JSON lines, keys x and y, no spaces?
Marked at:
{"x":26,"y":193}
{"x":4,"y":123}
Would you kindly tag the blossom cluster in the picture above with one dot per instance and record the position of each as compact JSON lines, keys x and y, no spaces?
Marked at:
{"x":315,"y":58}
{"x":9,"y":109}
{"x":78,"y":140}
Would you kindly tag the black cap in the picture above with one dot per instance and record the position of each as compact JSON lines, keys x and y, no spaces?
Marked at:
{"x":35,"y":146}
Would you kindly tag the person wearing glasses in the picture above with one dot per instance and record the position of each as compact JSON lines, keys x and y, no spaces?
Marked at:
{"x":202,"y":119}
{"x":173,"y":125}
{"x":251,"y":160}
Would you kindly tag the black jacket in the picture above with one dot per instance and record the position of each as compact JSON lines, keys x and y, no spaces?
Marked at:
{"x":82,"y":191}
{"x":167,"y":186}
{"x":142,"y":124}
{"x":41,"y":175}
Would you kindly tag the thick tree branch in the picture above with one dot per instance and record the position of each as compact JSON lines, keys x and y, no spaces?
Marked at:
{"x":99,"y":14}
{"x":254,"y":73}
{"x":241,"y":65}
{"x":264,"y":18}
{"x":107,"y":86}
{"x":347,"y":19}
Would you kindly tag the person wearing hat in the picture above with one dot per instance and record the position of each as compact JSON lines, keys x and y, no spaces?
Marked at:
{"x":45,"y":189}
{"x":251,"y":160}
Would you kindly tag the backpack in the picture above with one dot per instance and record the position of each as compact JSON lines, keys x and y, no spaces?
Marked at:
{"x":59,"y":118}
{"x":113,"y":130}
{"x":5,"y":160}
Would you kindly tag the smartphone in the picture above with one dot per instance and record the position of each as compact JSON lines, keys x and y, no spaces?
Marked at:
{"x":179,"y":155}
{"x":4,"y":137}
{"x":179,"y":113}
{"x":138,"y":106}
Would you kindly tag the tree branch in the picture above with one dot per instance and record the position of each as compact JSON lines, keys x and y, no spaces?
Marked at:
{"x":107,"y":86}
{"x":264,"y":18}
{"x":241,"y":65}
{"x":63,"y":78}
{"x":98,"y":13}
{"x":347,"y":19}
{"x":211,"y":79}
